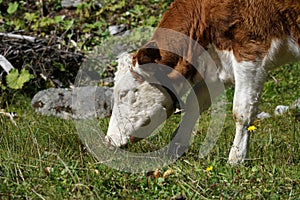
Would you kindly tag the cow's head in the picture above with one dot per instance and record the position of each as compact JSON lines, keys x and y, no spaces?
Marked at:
{"x":141,"y":101}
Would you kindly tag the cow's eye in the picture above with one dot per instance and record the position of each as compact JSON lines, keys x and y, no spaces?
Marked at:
{"x":123,"y":94}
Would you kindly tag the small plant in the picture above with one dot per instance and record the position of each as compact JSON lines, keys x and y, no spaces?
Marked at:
{"x":12,"y":8}
{"x":16,"y":80}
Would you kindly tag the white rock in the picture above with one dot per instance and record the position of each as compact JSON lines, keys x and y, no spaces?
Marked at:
{"x":279,"y":110}
{"x":296,"y":104}
{"x":263,"y":115}
{"x":115,"y":29}
{"x":70,"y":3}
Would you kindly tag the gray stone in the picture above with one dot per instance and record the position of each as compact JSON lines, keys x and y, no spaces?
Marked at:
{"x":296,"y":104}
{"x":281,"y":109}
{"x":116,"y":29}
{"x":79,"y":103}
{"x":263,"y":115}
{"x":70,"y":3}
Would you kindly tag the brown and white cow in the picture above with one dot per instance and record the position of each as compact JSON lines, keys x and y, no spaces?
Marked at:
{"x":245,"y":39}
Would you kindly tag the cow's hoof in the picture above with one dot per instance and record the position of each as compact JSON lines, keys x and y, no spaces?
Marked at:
{"x":235,"y":162}
{"x":235,"y":158}
{"x":237,"y":155}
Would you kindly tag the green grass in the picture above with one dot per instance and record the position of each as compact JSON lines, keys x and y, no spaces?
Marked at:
{"x":272,"y":171}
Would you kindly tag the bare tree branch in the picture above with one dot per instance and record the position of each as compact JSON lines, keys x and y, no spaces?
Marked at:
{"x":16,"y":36}
{"x":10,"y":115}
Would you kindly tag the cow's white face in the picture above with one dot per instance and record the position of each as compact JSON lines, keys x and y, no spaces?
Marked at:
{"x":139,"y":106}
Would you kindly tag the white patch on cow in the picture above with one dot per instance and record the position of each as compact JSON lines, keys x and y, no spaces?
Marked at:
{"x":215,"y":65}
{"x":206,"y":66}
{"x":282,"y":51}
{"x":225,"y":66}
{"x":139,"y":107}
{"x":124,"y":64}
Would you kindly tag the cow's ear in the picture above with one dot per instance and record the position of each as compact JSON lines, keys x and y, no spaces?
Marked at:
{"x":149,"y":53}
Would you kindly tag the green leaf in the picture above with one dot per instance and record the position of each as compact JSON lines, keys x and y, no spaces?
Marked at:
{"x":68,"y":24}
{"x":57,"y":19}
{"x":60,"y":66}
{"x":31,"y":17}
{"x":12,"y":7}
{"x":16,"y":80}
{"x":151,"y":21}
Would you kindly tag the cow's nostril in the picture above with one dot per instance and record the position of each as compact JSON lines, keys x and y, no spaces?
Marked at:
{"x":132,"y":138}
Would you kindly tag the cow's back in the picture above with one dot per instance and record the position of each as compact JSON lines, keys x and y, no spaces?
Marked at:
{"x":247,"y":27}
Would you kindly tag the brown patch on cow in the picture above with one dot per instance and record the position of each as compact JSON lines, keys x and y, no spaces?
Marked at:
{"x":185,"y":68}
{"x":149,"y":53}
{"x":245,"y":26}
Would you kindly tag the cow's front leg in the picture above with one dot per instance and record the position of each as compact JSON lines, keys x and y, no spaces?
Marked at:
{"x":198,"y":101}
{"x":249,"y":81}
{"x":193,"y":107}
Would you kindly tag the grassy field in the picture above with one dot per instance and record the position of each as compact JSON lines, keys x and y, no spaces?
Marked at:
{"x":43,"y":157}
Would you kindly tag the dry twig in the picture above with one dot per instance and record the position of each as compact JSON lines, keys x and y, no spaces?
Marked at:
{"x":10,"y":115}
{"x":17,"y":36}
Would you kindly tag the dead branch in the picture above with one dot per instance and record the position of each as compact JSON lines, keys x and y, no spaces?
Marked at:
{"x":9,"y":115}
{"x":16,"y":36}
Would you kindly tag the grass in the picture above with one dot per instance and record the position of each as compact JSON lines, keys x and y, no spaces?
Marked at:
{"x":38,"y":142}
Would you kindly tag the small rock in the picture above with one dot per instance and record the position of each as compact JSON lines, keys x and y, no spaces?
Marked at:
{"x":296,"y":104}
{"x":79,"y":103}
{"x":70,"y":3}
{"x":116,"y":29}
{"x":279,"y":110}
{"x":263,"y":115}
